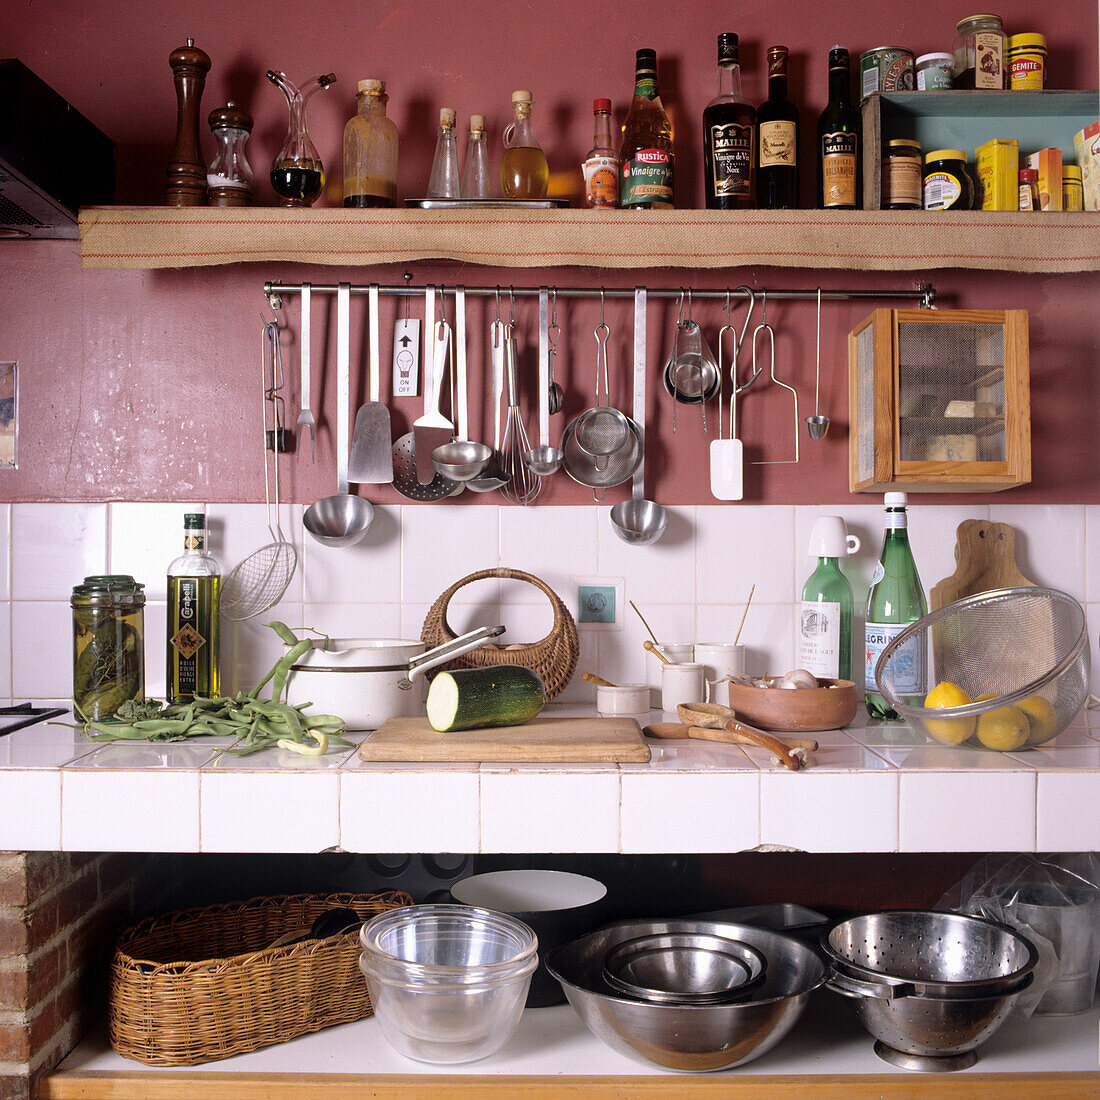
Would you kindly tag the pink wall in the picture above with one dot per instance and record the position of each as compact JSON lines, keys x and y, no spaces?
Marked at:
{"x":143,"y":385}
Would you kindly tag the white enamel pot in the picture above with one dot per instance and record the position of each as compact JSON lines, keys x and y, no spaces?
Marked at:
{"x":367,"y":681}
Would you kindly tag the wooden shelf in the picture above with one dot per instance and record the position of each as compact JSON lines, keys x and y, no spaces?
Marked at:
{"x":863,"y":240}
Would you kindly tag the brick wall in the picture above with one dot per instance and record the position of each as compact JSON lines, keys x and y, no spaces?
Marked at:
{"x":59,"y":914}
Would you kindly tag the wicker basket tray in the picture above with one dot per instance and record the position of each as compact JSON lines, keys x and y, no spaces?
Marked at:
{"x":201,"y":984}
{"x":554,"y":657}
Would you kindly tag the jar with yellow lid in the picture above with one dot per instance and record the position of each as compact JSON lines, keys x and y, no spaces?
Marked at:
{"x":901,"y":175}
{"x":1073,"y":194}
{"x":980,"y":52}
{"x":1027,"y":62}
{"x":947,"y":182}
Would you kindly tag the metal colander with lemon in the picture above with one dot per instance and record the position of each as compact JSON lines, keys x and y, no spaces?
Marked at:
{"x":1008,"y":669}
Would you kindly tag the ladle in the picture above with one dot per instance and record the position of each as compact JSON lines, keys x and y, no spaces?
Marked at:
{"x":639,"y":521}
{"x":461,"y":459}
{"x":817,"y":425}
{"x":341,"y":519}
{"x":544,"y":459}
{"x":557,"y":394}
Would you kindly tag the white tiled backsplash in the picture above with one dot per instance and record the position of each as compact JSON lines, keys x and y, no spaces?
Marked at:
{"x":691,"y":585}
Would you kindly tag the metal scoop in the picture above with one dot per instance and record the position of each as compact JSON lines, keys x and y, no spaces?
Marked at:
{"x":817,"y":425}
{"x":340,"y":519}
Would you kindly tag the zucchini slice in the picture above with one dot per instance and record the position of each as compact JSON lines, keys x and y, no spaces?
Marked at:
{"x":480,"y":698}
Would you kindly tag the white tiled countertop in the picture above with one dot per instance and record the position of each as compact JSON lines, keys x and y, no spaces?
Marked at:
{"x":870,"y":788}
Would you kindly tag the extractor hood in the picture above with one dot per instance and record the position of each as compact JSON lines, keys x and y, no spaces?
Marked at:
{"x":52,"y":159}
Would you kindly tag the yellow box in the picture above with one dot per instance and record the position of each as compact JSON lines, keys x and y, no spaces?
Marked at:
{"x":998,"y":174}
{"x":1087,"y":144}
{"x":1049,"y":164}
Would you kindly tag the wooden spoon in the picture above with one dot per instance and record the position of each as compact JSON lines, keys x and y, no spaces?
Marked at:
{"x":647,"y":644}
{"x":592,"y":678}
{"x":715,"y":716}
{"x":677,"y":731}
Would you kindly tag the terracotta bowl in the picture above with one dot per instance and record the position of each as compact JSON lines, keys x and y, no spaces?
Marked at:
{"x":796,"y":709}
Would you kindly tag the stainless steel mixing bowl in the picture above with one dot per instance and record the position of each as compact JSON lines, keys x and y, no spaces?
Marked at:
{"x":931,"y":987}
{"x":690,"y":1038}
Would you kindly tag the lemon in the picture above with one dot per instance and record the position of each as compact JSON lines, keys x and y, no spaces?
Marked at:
{"x":948,"y":731}
{"x":1005,"y":728}
{"x":984,"y":696}
{"x":1042,"y":718}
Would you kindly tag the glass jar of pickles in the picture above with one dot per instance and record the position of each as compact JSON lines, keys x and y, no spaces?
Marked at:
{"x":108,"y":644}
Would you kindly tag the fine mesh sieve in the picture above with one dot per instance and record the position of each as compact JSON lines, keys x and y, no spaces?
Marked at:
{"x":1012,"y":642}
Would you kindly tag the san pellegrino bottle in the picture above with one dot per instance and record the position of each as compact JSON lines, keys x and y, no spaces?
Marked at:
{"x":475,"y":172}
{"x":838,"y":140}
{"x":729,"y":136}
{"x":524,"y":173}
{"x":646,"y":152}
{"x":777,"y":146}
{"x":895,"y":600}
{"x":443,"y":182}
{"x":825,"y":617}
{"x":194,"y":633}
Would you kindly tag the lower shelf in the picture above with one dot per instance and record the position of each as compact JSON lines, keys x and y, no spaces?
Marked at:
{"x":552,"y":1056}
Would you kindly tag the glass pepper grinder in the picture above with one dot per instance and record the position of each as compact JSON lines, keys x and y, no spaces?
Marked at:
{"x":443,"y":182}
{"x":229,"y":177}
{"x":524,"y":173}
{"x":475,"y":172}
{"x":297,"y":174}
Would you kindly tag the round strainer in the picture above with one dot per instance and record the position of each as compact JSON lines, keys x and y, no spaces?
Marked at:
{"x":1011,"y":642}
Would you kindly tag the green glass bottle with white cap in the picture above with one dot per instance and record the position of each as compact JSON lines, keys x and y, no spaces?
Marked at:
{"x":895,"y":600}
{"x":825,"y":615}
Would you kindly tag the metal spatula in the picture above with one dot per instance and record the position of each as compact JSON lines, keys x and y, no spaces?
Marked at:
{"x":432,"y":429}
{"x":371,"y":457}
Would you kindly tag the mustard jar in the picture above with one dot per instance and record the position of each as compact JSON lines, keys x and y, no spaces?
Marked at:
{"x":108,"y":644}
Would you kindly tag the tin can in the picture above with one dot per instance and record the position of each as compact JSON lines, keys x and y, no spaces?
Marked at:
{"x":1073,"y":194}
{"x":886,"y":69}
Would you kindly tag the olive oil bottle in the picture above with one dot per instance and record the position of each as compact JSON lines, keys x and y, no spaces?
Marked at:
{"x":194,"y":633}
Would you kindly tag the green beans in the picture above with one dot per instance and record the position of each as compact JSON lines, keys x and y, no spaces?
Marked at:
{"x":255,"y":724}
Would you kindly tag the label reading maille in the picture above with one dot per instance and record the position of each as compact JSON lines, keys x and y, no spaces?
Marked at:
{"x":731,"y":148}
{"x":647,"y":177}
{"x":839,"y":153}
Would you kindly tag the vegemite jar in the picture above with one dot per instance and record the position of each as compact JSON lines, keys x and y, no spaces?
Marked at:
{"x":947,"y":184}
{"x":108,"y":644}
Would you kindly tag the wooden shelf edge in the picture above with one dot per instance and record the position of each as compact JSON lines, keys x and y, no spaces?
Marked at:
{"x":197,"y":1085}
{"x":145,"y":238}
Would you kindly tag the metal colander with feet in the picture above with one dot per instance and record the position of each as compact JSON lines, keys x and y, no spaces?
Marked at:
{"x":1012,"y":643}
{"x":931,"y":987}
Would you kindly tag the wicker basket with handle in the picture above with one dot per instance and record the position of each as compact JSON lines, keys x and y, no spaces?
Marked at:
{"x":202,"y":984}
{"x":554,"y":657}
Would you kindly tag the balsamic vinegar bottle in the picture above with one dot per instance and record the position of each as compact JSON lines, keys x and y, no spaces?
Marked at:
{"x":838,"y":141}
{"x":777,"y":143}
{"x":729,"y":136}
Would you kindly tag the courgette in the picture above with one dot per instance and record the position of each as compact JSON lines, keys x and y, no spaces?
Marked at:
{"x":479,"y":698}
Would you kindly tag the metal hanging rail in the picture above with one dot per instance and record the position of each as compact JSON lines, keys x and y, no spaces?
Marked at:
{"x":924,"y":294}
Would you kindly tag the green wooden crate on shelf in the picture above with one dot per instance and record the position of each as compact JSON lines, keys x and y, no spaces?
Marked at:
{"x":965,"y":120}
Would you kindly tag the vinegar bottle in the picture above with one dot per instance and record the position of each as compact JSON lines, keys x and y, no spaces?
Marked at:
{"x":524,"y":173}
{"x":646,"y":153}
{"x":370,"y":150}
{"x":475,"y":172}
{"x":443,"y":182}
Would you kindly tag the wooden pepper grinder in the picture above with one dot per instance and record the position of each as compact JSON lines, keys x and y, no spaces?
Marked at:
{"x":187,"y":169}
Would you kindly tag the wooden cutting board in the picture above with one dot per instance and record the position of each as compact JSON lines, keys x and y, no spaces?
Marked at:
{"x":543,"y":740}
{"x":985,"y":558}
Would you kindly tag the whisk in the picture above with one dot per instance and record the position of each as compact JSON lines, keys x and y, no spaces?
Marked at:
{"x":523,"y":484}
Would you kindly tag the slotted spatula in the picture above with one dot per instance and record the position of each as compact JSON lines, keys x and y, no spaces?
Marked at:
{"x":371,"y":457}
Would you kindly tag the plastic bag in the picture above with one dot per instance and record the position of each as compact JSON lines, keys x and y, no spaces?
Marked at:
{"x":1054,"y":900}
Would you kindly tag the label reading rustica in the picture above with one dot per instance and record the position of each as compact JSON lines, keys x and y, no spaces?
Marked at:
{"x":647,"y":177}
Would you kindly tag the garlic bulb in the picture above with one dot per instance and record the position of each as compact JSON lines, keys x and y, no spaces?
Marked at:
{"x":798,"y":678}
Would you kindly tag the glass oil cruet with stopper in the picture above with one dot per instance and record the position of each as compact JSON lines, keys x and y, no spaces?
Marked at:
{"x":524,"y":173}
{"x":370,"y":150}
{"x":475,"y":172}
{"x":443,"y":182}
{"x":297,"y":174}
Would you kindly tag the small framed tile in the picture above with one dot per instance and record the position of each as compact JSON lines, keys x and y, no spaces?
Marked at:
{"x":269,"y":811}
{"x":129,"y":811}
{"x":572,"y":809}
{"x":699,"y":811}
{"x":737,"y":547}
{"x":54,"y":546}
{"x":409,"y":809}
{"x":816,"y":810}
{"x":50,"y":625}
{"x":1068,"y":811}
{"x":985,"y":811}
{"x":31,"y":821}
{"x":442,"y":545}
